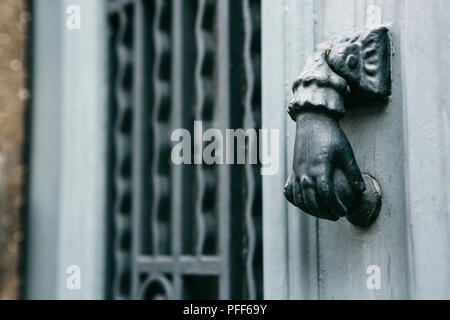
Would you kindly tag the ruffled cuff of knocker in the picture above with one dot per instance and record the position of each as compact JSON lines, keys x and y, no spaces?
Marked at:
{"x":318,"y":89}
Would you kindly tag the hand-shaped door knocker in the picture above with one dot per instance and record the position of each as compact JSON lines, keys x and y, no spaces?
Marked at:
{"x":326,"y":181}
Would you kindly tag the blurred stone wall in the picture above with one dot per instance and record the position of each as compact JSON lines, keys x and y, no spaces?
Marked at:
{"x":14,"y":19}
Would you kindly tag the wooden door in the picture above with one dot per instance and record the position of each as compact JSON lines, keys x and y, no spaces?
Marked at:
{"x":404,"y":144}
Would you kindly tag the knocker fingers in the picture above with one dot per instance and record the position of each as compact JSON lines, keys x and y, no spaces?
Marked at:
{"x":351,"y":170}
{"x":288,"y":189}
{"x":327,"y":193}
{"x":293,"y":192}
{"x":312,"y":201}
{"x":316,"y":199}
{"x":298,"y":196}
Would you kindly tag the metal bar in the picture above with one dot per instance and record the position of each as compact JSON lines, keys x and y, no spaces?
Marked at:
{"x":187,"y":265}
{"x":200,"y":180}
{"x":138,"y":144}
{"x":177,"y":122}
{"x":156,"y":135}
{"x":223,"y":101}
{"x":249,"y":123}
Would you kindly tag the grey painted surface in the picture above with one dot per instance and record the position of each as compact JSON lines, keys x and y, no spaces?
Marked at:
{"x":275,"y":249}
{"x":44,"y":181}
{"x":404,"y":144}
{"x":83,"y":157}
{"x":426,"y":61}
{"x":301,"y":227}
{"x":345,"y":252}
{"x":68,"y":153}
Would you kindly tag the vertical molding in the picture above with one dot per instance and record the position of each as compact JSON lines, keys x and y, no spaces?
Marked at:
{"x":81,"y":234}
{"x":302,"y":229}
{"x":425,"y":48}
{"x":44,"y":184}
{"x":290,"y":243}
{"x":273,"y":117}
{"x":66,"y":200}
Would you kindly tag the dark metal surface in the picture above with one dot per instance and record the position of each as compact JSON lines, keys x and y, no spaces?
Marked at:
{"x":183,"y":231}
{"x":326,"y":181}
{"x":367,"y":207}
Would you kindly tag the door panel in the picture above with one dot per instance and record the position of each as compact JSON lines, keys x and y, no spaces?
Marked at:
{"x":345,"y":252}
{"x":402,"y":143}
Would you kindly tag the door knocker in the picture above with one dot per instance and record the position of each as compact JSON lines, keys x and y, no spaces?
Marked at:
{"x":326,"y":181}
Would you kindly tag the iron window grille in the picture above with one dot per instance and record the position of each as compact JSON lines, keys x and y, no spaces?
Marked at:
{"x":190,"y":231}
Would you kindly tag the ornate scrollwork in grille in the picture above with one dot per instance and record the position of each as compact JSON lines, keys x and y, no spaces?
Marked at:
{"x":252,"y":119}
{"x":173,"y":236}
{"x":121,"y":91}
